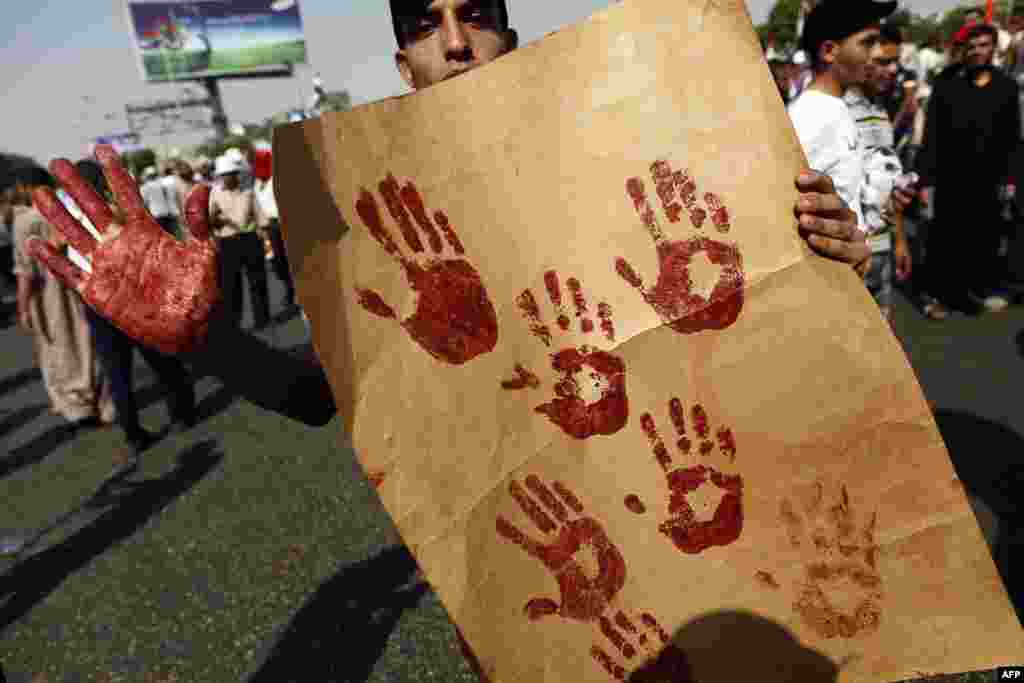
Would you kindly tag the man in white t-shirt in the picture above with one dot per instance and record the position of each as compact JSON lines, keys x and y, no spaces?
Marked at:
{"x":157,"y":200}
{"x":838,"y":38}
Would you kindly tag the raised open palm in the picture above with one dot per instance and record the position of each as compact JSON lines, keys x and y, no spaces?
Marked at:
{"x":156,"y":289}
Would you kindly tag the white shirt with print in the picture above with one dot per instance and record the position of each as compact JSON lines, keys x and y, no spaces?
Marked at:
{"x":881,"y":166}
{"x":830,"y":141}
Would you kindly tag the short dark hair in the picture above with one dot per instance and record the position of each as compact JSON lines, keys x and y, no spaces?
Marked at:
{"x":890,"y":35}
{"x":92,"y":172}
{"x":982,"y":30}
{"x":405,"y":15}
{"x":33,"y":176}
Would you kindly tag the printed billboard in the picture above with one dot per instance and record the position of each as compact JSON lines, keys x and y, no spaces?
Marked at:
{"x":183,"y":40}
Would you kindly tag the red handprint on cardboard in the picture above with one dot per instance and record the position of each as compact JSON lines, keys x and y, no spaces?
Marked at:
{"x":560,"y":516}
{"x":673,"y":296}
{"x":454,"y":320}
{"x":590,"y":394}
{"x":696,"y":522}
{"x":842,"y":591}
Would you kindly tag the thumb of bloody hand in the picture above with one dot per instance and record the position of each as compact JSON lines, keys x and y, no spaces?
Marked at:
{"x":159,"y":291}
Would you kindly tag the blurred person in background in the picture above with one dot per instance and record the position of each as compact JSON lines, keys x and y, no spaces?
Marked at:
{"x":203,"y":170}
{"x":800,"y":74}
{"x":116,"y":349}
{"x":10,"y":282}
{"x":973,"y":127}
{"x":931,"y":59}
{"x":54,"y":315}
{"x":186,"y":177}
{"x":890,"y":253}
{"x":838,"y":37}
{"x":270,"y":221}
{"x":780,"y":72}
{"x":176,"y":191}
{"x":158,"y":201}
{"x":233,"y":219}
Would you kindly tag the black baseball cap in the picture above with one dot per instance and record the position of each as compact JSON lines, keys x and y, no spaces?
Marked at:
{"x":840,"y":19}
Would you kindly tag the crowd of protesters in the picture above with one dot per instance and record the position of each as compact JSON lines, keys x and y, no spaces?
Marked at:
{"x":877,"y":112}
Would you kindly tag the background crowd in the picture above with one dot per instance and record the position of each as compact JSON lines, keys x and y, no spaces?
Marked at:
{"x":941,"y":116}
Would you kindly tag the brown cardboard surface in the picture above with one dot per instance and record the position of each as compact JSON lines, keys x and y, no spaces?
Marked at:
{"x":857,"y":555}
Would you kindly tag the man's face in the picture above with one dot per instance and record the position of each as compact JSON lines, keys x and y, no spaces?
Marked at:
{"x":452,"y":36}
{"x":980,"y":50}
{"x":851,"y":57}
{"x":885,"y":66}
{"x":231,"y":181}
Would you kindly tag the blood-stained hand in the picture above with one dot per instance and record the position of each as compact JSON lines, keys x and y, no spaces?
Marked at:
{"x":454,"y":320}
{"x":842,"y":591}
{"x":686,"y":303}
{"x":590,"y":394}
{"x":584,"y":598}
{"x":157,"y":290}
{"x":705,"y":505}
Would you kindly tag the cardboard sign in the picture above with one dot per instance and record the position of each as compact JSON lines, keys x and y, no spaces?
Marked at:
{"x":630,"y":426}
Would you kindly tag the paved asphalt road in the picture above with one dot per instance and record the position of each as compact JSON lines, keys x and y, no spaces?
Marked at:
{"x":351,"y":605}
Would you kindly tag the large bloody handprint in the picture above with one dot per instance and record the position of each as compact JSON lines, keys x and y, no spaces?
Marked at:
{"x":454,"y":319}
{"x":675,"y":296}
{"x":590,"y":393}
{"x":560,"y":516}
{"x":705,"y":505}
{"x":156,"y":289}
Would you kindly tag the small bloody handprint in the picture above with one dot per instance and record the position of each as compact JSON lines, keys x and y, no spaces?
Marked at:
{"x":582,"y":598}
{"x":705,"y":504}
{"x":842,"y":589}
{"x":454,"y":320}
{"x":590,"y":394}
{"x":560,"y":516}
{"x":675,"y":297}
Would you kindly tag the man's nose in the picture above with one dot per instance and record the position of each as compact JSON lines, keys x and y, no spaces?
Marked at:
{"x":456,"y":41}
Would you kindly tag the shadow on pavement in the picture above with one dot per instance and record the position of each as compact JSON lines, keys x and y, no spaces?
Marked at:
{"x":36,"y":449}
{"x":730,"y":646}
{"x":1020,"y":342}
{"x":341,"y":631}
{"x":128,"y":508}
{"x":19,"y":418}
{"x":19,"y":379}
{"x":989,"y":459}
{"x":40,"y":447}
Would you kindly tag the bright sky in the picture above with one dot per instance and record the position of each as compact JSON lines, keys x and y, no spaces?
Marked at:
{"x":70,"y":69}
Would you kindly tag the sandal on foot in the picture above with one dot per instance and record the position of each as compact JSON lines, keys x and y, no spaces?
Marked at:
{"x":933,"y":310}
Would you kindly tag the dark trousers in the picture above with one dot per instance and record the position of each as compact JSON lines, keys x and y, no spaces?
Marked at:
{"x":281,"y":267}
{"x":963,"y":243}
{"x":7,"y":264}
{"x":238,"y":254}
{"x":169,"y":224}
{"x":115,"y":351}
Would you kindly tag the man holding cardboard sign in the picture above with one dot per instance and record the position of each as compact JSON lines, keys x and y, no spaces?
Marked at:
{"x":437,"y":41}
{"x":588,"y":442}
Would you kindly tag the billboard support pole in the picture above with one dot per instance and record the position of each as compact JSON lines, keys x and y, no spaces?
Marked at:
{"x":219,"y":119}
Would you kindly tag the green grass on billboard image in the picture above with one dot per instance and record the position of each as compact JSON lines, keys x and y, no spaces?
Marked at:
{"x":171,"y":64}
